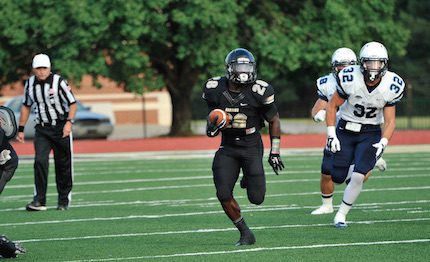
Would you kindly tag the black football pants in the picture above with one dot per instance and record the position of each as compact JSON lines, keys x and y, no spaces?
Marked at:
{"x":47,"y":138}
{"x":228,"y":161}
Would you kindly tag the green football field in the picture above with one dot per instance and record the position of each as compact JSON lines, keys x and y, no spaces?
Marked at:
{"x":134,"y":207}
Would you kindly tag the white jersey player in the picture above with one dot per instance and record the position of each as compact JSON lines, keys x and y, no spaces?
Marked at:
{"x":368,"y":94}
{"x":326,"y":87}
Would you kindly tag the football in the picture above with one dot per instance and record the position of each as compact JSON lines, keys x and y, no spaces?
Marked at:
{"x":221,"y":114}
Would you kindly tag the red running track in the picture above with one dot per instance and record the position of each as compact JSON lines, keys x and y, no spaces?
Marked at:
{"x":206,"y":143}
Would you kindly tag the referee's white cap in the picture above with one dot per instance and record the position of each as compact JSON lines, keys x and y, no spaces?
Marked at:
{"x":41,"y":60}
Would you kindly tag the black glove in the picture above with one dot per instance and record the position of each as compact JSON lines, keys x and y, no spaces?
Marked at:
{"x":276,"y":162}
{"x":212,"y":129}
{"x":9,"y":249}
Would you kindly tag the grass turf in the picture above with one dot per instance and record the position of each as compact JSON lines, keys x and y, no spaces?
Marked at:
{"x":166,"y":210}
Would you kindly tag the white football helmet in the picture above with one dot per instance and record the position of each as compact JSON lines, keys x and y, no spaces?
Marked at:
{"x":342,"y":57}
{"x":373,"y":60}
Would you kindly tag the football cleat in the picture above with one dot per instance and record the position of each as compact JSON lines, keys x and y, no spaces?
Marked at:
{"x":381,"y":165}
{"x":246,"y":238}
{"x":340,"y":221}
{"x":35,"y":206}
{"x":324,"y":209}
{"x":62,"y":207}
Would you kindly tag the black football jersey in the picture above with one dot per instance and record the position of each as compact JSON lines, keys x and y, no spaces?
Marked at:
{"x":247,"y":109}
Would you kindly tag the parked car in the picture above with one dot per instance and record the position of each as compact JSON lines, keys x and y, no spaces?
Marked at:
{"x":87,"y":124}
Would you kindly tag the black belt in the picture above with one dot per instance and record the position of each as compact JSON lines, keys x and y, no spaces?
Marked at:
{"x":53,"y":123}
{"x":364,"y":127}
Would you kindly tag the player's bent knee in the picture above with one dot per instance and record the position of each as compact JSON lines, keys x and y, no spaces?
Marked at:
{"x":339,"y":174}
{"x":338,"y":179}
{"x":357,"y":178}
{"x":256,"y":198}
{"x":223,"y":195}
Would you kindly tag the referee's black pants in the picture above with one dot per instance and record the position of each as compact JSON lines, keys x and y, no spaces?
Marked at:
{"x":47,"y":138}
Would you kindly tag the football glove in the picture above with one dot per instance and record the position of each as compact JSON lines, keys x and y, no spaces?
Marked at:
{"x":9,"y":249}
{"x":333,"y":143}
{"x":212,"y":129}
{"x":4,"y":156}
{"x":380,"y":147}
{"x":275,"y":162}
{"x":320,"y":116}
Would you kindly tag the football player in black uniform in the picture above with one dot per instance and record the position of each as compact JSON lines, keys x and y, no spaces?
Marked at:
{"x":248,"y":102}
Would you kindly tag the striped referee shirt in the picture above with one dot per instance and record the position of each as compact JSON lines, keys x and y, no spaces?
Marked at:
{"x":52,"y":97}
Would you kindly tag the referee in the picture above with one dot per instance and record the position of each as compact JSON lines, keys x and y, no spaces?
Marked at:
{"x":55,"y":108}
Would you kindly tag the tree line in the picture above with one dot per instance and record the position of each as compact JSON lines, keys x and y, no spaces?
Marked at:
{"x":177,"y":45}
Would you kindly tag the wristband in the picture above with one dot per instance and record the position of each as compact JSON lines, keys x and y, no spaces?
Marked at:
{"x":384,"y":141}
{"x":276,"y":142}
{"x":20,"y":128}
{"x":331,"y":131}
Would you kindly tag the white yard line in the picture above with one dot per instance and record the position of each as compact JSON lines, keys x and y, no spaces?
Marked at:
{"x":260,"y":249}
{"x":92,"y":192}
{"x":215,"y":230}
{"x":181,"y":178}
{"x":182,"y":214}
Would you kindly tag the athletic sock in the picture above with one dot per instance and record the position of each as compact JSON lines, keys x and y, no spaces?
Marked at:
{"x":344,"y":209}
{"x":327,"y":199}
{"x":241,"y":224}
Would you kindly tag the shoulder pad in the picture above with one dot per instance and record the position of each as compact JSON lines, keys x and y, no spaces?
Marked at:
{"x":349,"y":78}
{"x":8,"y":122}
{"x":264,"y":92}
{"x":262,"y":83}
{"x":326,"y":86}
{"x":213,"y":82}
{"x":392,"y":86}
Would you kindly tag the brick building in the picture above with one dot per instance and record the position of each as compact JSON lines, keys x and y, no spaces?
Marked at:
{"x":124,"y":108}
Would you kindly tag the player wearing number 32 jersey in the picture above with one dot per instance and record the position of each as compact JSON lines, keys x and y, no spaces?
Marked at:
{"x":368,"y":94}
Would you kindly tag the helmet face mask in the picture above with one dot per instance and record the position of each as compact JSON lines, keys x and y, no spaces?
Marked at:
{"x":241,"y":67}
{"x":342,"y":58}
{"x":373,"y":68}
{"x":373,"y":61}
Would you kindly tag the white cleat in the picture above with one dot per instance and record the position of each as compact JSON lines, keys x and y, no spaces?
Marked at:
{"x":340,"y":221}
{"x":324,"y":209}
{"x":381,"y":165}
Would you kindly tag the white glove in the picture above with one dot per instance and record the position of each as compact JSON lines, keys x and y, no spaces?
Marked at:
{"x":380,"y":147}
{"x":4,"y":156}
{"x":320,"y":116}
{"x":333,"y":144}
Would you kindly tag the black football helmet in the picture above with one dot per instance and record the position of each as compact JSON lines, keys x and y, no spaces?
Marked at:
{"x":241,"y":67}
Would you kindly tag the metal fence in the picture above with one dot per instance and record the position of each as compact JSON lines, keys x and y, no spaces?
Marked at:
{"x":413,"y":111}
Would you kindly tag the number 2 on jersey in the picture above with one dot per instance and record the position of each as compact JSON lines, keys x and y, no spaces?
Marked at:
{"x":348,"y":77}
{"x":394,"y":87}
